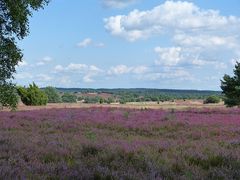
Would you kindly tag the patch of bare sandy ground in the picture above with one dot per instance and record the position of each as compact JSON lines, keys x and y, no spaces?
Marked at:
{"x":178,"y":104}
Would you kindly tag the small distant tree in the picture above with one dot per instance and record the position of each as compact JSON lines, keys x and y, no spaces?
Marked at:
{"x":212,"y":100}
{"x":69,"y":98}
{"x":101,"y":100}
{"x":32,"y":96}
{"x":52,"y":94}
{"x":110,"y":100}
{"x":80,"y":98}
{"x":231,"y":87}
{"x":122,"y":101}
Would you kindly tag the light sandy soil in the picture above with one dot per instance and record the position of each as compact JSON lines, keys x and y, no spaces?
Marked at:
{"x":151,"y":105}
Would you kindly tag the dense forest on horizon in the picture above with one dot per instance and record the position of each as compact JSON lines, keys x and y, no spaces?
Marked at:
{"x":124,"y":95}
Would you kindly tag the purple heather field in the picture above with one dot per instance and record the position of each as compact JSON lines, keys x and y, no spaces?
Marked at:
{"x":120,"y":143}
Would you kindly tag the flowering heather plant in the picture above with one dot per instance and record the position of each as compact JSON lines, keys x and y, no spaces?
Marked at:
{"x":118,"y":143}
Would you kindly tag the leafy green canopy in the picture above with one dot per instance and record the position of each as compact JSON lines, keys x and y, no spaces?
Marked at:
{"x":14,"y":24}
{"x":32,"y":96}
{"x":69,"y":98}
{"x":231,"y":87}
{"x":52,"y":94}
{"x":212,"y":99}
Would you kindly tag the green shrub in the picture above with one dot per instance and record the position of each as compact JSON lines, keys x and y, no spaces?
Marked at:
{"x":52,"y":94}
{"x":69,"y":98}
{"x":8,"y":96}
{"x":110,"y":100}
{"x":101,"y":100}
{"x":212,"y":99}
{"x":92,"y":100}
{"x":122,"y":101}
{"x":32,"y":96}
{"x":80,"y":98}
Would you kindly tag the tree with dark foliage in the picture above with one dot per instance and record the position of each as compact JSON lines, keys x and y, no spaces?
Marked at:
{"x":69,"y":98}
{"x":32,"y":95}
{"x":231,"y":87}
{"x":14,"y":24}
{"x":52,"y":94}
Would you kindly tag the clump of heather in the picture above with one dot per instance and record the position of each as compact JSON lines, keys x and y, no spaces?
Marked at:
{"x":118,"y":143}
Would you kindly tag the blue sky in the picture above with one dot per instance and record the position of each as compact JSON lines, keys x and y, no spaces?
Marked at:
{"x":131,"y":44}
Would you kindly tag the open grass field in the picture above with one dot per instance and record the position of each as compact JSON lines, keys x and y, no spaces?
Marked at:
{"x":120,"y":143}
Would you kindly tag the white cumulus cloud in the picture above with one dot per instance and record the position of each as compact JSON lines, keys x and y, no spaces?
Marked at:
{"x":123,"y":69}
{"x":87,"y":72}
{"x":45,"y":60}
{"x":168,"y":17}
{"x":89,"y":42}
{"x":58,"y":68}
{"x":168,"y":56}
{"x":206,"y":40}
{"x":76,"y":67}
{"x":88,"y":78}
{"x":119,"y":69}
{"x":84,"y":43}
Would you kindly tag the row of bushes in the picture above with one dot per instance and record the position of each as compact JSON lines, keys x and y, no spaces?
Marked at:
{"x":96,"y":99}
{"x":34,"y":96}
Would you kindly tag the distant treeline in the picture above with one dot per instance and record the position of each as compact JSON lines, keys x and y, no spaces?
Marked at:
{"x":138,"y":94}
